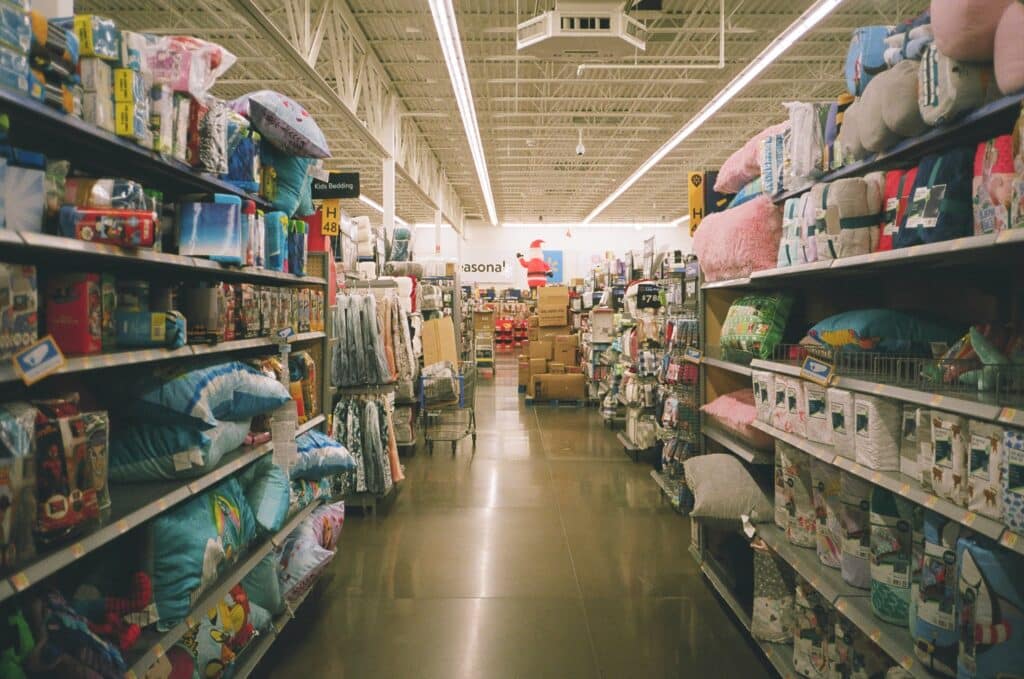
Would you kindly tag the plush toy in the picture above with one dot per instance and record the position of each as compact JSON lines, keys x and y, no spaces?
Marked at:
{"x":119,"y":619}
{"x":16,"y":640}
{"x":537,"y":270}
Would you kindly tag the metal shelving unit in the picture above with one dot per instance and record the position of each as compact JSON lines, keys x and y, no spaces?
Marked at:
{"x":736,"y":447}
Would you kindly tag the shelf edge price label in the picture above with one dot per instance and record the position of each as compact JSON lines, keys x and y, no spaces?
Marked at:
{"x":817,"y":371}
{"x":693,"y":355}
{"x":1008,"y":415}
{"x":39,"y":360}
{"x":1009,"y":539}
{"x":20,"y":582}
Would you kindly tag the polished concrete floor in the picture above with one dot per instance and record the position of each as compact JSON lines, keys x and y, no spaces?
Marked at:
{"x":547,"y":553}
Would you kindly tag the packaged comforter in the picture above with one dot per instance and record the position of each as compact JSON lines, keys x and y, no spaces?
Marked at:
{"x":856,"y":203}
{"x":855,"y":524}
{"x":1012,"y":478}
{"x":827,"y":508}
{"x":807,"y":156}
{"x":949,"y":456}
{"x":796,"y":469}
{"x":899,"y":187}
{"x":818,"y":427}
{"x":842,"y":422}
{"x":891,"y":555}
{"x":934,"y":627}
{"x":941,"y":206}
{"x":878,"y":432}
{"x":984,"y":464}
{"x":994,"y":175}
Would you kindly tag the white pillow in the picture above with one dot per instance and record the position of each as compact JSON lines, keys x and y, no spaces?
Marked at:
{"x":724,"y":489}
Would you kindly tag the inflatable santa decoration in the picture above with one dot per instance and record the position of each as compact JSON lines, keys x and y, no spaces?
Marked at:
{"x":537,"y":270}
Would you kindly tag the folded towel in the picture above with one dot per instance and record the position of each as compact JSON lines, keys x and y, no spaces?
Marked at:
{"x":994,"y":175}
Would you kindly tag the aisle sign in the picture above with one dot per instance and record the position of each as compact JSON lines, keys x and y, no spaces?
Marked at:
{"x":338,"y":185}
{"x":330,"y":217}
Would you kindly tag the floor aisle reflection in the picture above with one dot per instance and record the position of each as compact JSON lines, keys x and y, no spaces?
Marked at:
{"x":548,"y":553}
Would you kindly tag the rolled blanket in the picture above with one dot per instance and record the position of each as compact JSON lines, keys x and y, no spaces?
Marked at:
{"x":1009,"y":50}
{"x":857,"y":204}
{"x":900,"y":113}
{"x":966,"y":29}
{"x":849,"y":135}
{"x":948,"y":88}
{"x":878,"y":432}
{"x":412,"y":269}
{"x":874,"y":134}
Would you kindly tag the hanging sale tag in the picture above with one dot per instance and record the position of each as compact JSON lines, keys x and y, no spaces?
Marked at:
{"x":330,"y":212}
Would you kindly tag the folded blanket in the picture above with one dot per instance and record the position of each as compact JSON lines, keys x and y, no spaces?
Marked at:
{"x":857,"y":204}
{"x":899,"y":185}
{"x":1013,"y":495}
{"x":763,"y":382}
{"x":966,"y":29}
{"x":734,"y":243}
{"x":1009,"y":50}
{"x":772,"y":160}
{"x":744,"y":164}
{"x":948,"y":88}
{"x":826,"y":224}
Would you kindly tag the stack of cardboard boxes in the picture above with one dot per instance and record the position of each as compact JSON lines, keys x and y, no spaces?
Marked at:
{"x":550,"y":370}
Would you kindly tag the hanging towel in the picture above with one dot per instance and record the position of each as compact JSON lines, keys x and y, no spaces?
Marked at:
{"x":934,"y":627}
{"x":878,"y":432}
{"x":815,"y":405}
{"x":811,"y":632}
{"x":994,"y":175}
{"x":941,"y":204}
{"x":891,"y":555}
{"x":1013,"y":480}
{"x":827,"y":508}
{"x":990,"y":602}
{"x":984,"y":465}
{"x":949,"y":456}
{"x":855,"y":524}
{"x":772,"y":617}
{"x":842,"y":422}
{"x":796,"y":468}
{"x":909,"y":448}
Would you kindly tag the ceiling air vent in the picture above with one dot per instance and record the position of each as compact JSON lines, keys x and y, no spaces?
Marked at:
{"x":598,"y":28}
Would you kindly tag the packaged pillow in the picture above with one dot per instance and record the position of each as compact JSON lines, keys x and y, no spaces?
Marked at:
{"x":877,"y":443}
{"x":193,"y":543}
{"x":910,"y":450}
{"x":303,"y":558}
{"x":755,"y":324}
{"x":811,"y":632}
{"x":152,"y":452}
{"x":290,"y":192}
{"x":881,"y":330}
{"x":780,"y":411}
{"x":735,"y":412}
{"x":1013,"y":480}
{"x":855,"y":524}
{"x":789,"y":244}
{"x":815,"y":408}
{"x":796,"y":471}
{"x":891,"y":555}
{"x":934,"y":627}
{"x":865,"y":57}
{"x":827,"y":508}
{"x":263,"y":586}
{"x":268,"y":493}
{"x":320,"y":456}
{"x":772,"y":617}
{"x":202,"y":396}
{"x":990,"y":600}
{"x":744,"y":164}
{"x":763,"y":393}
{"x":724,"y":489}
{"x":284,"y":123}
{"x":993,"y":184}
{"x":327,"y":523}
{"x":949,"y":457}
{"x":984,"y":466}
{"x":843,"y":423}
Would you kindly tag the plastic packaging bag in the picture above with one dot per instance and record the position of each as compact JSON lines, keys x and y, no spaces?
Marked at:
{"x":187,"y":64}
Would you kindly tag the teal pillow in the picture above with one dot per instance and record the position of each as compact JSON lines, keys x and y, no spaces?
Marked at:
{"x":152,"y":452}
{"x":292,"y":181}
{"x":263,"y":585}
{"x":194,"y":543}
{"x":883,"y":331}
{"x":754,"y":325}
{"x":321,"y":456}
{"x":267,"y":492}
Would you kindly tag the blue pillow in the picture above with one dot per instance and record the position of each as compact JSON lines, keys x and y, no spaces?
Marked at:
{"x":263,"y":585}
{"x":267,"y":492}
{"x":882,"y":330}
{"x":748,"y":193}
{"x":193,"y":544}
{"x":201,"y":396}
{"x":151,"y":452}
{"x":291,"y":179}
{"x":321,"y":456}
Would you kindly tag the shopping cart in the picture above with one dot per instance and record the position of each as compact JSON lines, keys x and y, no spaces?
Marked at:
{"x":447,"y":405}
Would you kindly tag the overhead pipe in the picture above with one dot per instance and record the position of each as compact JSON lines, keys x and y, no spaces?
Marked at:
{"x":690,"y":65}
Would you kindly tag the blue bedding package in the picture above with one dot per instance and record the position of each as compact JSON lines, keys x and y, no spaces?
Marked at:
{"x":275,"y":237}
{"x":934,"y":626}
{"x":320,"y":456}
{"x":942,"y":203}
{"x":990,"y":603}
{"x":15,"y":28}
{"x":150,"y":329}
{"x":211,"y":229}
{"x":866,"y":57}
{"x":14,"y":71}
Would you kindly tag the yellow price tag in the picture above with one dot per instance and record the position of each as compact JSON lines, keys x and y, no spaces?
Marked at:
{"x":158,"y":650}
{"x":875,"y":635}
{"x":20,"y":582}
{"x":841,"y":606}
{"x":931,"y":501}
{"x":122,"y":526}
{"x":130,"y":674}
{"x":1008,"y":414}
{"x":906,"y":662}
{"x":878,"y":389}
{"x":1009,"y":539}
{"x":77,"y":550}
{"x":876,"y":477}
{"x":161,"y":504}
{"x":936,"y":400}
{"x":969,"y":518}
{"x":904,"y":489}
{"x":330,"y":217}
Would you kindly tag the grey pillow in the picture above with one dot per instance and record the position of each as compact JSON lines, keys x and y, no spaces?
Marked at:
{"x":724,"y":489}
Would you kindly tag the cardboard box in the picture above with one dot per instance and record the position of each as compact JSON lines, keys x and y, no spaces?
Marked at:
{"x":439,"y":342}
{"x":602,"y":325}
{"x":552,"y":297}
{"x":543,"y":350}
{"x":565,"y":356}
{"x":549,"y":334}
{"x":559,"y":387}
{"x":574,"y":370}
{"x":524,"y":371}
{"x":556,"y":368}
{"x":533,"y":334}
{"x":567,"y":341}
{"x":538,"y":366}
{"x":552,"y":316}
{"x":74,"y":312}
{"x":483,"y":322}
{"x":533,"y":322}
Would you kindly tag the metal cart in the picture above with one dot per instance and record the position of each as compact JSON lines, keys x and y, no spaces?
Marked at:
{"x":446,"y":418}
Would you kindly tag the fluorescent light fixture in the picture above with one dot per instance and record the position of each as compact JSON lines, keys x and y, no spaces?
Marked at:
{"x":577,"y":225}
{"x":814,"y":15}
{"x":379,"y":208}
{"x":685,"y":219}
{"x":429,"y":225}
{"x":448,"y":34}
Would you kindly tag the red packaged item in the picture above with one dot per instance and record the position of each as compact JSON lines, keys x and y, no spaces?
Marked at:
{"x":74,"y":312}
{"x":71,"y":451}
{"x":130,"y":228}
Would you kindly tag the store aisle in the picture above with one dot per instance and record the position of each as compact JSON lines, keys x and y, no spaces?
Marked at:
{"x":547,"y":554}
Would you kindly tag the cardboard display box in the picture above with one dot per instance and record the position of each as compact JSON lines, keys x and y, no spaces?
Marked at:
{"x":549,"y":334}
{"x":483,"y":322}
{"x":533,"y":334}
{"x":574,"y":370}
{"x":543,"y":350}
{"x":439,"y":342}
{"x":538,"y":366}
{"x":552,"y":297}
{"x":552,"y":316}
{"x":556,"y":368}
{"x":533,"y":322}
{"x":558,"y":387}
{"x":524,"y":371}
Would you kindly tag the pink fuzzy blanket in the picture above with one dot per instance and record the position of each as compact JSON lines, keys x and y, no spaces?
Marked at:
{"x":733,"y":243}
{"x":735,"y":412}
{"x":744,"y":165}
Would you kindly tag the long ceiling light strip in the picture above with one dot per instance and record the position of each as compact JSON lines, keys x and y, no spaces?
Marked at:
{"x":380,"y":208}
{"x":808,"y":20}
{"x":448,"y":34}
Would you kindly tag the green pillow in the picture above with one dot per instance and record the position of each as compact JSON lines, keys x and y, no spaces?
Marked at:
{"x":754,"y":324}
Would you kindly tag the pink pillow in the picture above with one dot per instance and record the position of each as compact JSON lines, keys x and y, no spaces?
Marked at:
{"x":1009,"y":50}
{"x":965,"y":29}
{"x":744,"y":165}
{"x":733,"y":243}
{"x":735,"y":412}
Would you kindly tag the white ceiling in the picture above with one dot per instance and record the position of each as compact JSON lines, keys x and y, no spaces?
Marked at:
{"x":379,"y":53}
